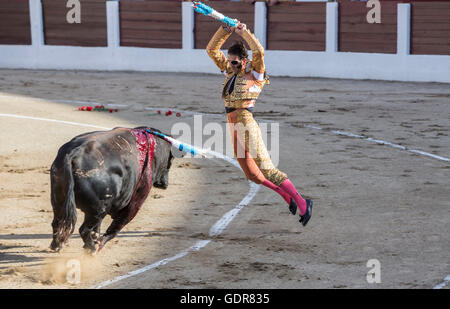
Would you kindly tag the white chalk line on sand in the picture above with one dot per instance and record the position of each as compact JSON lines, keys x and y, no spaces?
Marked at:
{"x":215,"y":230}
{"x":54,"y":120}
{"x":381,"y":142}
{"x":443,"y":284}
{"x":337,"y":132}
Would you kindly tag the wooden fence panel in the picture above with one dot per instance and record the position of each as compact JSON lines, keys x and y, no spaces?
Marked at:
{"x":205,"y":26}
{"x":154,"y":24}
{"x":296,"y":26}
{"x":90,"y":32}
{"x":357,"y":35}
{"x":430,"y":28}
{"x":15,"y":22}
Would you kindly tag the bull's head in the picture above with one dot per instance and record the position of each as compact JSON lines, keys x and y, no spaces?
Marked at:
{"x":162,"y":178}
{"x":164,"y":159}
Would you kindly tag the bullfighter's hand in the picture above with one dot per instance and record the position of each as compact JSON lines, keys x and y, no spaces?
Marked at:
{"x":228,"y":28}
{"x":240,"y":28}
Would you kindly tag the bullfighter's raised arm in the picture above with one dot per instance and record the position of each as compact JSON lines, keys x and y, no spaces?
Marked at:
{"x":256,"y":47}
{"x":214,"y":45}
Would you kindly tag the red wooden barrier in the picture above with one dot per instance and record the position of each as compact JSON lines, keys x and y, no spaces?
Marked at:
{"x":430,"y":28}
{"x":357,"y":35}
{"x":296,"y":26}
{"x":90,"y":32}
{"x":156,"y":24}
{"x":15,"y":22}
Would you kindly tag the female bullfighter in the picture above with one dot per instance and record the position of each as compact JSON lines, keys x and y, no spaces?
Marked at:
{"x":243,"y":83}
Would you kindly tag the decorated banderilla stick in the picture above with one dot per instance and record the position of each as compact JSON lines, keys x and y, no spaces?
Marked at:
{"x":209,"y":11}
{"x":177,"y":144}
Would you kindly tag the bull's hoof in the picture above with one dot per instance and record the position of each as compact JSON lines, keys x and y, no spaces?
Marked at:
{"x":160,"y":186}
{"x":90,"y":252}
{"x":95,"y":235}
{"x":89,"y":249}
{"x":55,"y":247}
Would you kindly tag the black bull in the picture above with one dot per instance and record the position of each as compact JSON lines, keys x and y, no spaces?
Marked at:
{"x":105,"y":172}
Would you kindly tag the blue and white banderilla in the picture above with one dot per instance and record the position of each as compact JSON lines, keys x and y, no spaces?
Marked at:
{"x":180,"y":145}
{"x":209,"y":11}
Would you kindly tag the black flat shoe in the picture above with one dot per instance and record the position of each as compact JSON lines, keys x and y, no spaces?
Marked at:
{"x":305,"y":218}
{"x":293,"y":207}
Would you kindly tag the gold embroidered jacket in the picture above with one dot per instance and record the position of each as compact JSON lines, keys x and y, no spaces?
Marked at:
{"x":247,"y":87}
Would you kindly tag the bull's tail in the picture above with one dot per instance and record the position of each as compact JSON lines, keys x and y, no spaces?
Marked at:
{"x":66,"y":217}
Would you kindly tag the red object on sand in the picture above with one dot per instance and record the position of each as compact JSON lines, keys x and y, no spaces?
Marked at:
{"x":83,"y":108}
{"x":168,"y":113}
{"x":159,"y":112}
{"x":110,"y":110}
{"x":116,"y":110}
{"x":89,"y":108}
{"x":178,"y":114}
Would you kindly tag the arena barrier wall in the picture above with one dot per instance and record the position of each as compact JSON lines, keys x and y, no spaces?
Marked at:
{"x":90,"y":32}
{"x":153,"y":24}
{"x":417,"y":48}
{"x":15,"y":22}
{"x":430,"y":28}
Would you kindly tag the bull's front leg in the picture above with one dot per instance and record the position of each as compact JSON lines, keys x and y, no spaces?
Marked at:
{"x":125,"y":215}
{"x":89,"y":228}
{"x":118,"y":223}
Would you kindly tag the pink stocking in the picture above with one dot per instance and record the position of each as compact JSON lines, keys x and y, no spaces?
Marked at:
{"x":271,"y":185}
{"x":288,"y":187}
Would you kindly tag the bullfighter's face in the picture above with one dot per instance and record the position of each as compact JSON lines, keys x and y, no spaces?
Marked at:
{"x":236,"y":63}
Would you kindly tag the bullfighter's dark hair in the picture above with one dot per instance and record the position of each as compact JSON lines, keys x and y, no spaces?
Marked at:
{"x":238,"y":49}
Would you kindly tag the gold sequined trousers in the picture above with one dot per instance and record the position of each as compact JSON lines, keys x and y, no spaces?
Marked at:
{"x":250,"y":150}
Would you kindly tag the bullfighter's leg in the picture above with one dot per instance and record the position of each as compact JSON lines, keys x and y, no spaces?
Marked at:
{"x":89,"y":228}
{"x":247,"y":140}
